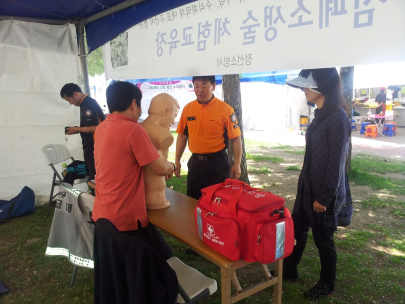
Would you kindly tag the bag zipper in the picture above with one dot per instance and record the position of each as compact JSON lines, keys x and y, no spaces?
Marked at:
{"x":218,"y":201}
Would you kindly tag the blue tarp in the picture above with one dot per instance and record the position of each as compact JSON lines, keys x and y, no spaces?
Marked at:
{"x":98,"y":32}
{"x":276,"y":77}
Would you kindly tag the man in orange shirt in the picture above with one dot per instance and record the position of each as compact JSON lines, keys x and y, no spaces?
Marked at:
{"x":206,"y":124}
{"x":121,"y":150}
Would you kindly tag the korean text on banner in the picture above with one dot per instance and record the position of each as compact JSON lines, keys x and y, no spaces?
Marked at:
{"x":240,"y":36}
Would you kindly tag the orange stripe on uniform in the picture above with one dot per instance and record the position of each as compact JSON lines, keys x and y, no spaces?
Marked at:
{"x":208,"y":125}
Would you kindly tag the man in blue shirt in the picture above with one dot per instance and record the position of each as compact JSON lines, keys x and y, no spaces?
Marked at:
{"x":91,"y":116}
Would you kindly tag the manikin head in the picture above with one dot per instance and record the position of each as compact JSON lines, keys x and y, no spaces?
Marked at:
{"x":165,"y":106}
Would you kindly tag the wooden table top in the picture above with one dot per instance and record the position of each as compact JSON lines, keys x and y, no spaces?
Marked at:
{"x":178,"y":221}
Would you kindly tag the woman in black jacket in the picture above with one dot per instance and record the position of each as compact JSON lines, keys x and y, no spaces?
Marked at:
{"x":323,"y":199}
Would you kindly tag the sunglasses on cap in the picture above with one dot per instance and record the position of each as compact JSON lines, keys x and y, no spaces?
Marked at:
{"x":303,"y":89}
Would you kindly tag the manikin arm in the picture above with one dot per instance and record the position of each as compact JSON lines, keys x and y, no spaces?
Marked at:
{"x":161,"y":166}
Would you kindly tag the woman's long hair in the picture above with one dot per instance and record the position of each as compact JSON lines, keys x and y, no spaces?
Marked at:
{"x":329,"y":85}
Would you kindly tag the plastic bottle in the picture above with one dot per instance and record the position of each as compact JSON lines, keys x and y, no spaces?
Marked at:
{"x":64,"y":169}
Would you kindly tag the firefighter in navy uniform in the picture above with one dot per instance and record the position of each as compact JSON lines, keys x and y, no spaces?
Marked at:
{"x":91,"y":116}
{"x":207,"y":123}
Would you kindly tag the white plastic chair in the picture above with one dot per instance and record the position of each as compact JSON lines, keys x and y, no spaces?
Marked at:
{"x":55,"y":154}
{"x":193,"y":285}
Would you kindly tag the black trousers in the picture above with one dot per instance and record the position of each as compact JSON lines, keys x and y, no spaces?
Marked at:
{"x":153,"y":237}
{"x":323,"y":238}
{"x":90,"y":166}
{"x":206,"y":171}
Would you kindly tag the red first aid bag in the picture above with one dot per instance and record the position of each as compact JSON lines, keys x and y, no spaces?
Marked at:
{"x":242,"y":222}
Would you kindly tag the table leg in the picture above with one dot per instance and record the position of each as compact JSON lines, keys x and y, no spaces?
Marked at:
{"x":278,"y":287}
{"x":235,"y":282}
{"x":266,"y":271}
{"x":380,"y":125}
{"x":226,"y":285}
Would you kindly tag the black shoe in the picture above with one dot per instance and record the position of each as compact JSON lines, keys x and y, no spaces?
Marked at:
{"x":190,"y":251}
{"x":290,"y":272}
{"x":320,"y":290}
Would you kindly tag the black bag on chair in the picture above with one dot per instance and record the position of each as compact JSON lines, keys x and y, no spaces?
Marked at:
{"x":78,"y":167}
{"x":76,"y":170}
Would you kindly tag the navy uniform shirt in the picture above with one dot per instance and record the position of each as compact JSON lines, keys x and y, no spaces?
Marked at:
{"x":90,"y":115}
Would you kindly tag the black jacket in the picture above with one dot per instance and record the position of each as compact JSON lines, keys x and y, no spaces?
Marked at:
{"x":127,"y":270}
{"x":323,"y":177}
{"x":90,"y":115}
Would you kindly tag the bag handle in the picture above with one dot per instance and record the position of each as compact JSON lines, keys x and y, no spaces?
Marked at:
{"x":214,"y":188}
{"x":235,"y":198}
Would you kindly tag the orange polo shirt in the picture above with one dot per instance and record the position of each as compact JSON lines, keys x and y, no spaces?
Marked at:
{"x":121,"y":149}
{"x":208,"y":126}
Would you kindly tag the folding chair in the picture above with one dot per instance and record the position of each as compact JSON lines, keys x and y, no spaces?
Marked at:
{"x":72,"y":230}
{"x":193,"y":285}
{"x":55,"y":154}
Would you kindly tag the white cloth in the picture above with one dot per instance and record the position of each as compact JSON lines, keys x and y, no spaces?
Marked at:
{"x":36,"y":60}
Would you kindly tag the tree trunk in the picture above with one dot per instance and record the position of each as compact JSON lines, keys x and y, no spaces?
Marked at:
{"x":346,"y":77}
{"x":232,"y":96}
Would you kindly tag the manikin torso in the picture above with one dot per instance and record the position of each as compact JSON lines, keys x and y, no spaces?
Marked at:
{"x":157,"y":126}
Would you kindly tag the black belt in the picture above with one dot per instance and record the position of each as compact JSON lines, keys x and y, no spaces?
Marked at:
{"x":206,"y":157}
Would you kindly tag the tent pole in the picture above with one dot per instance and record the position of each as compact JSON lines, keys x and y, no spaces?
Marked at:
{"x":37,"y":20}
{"x":83,"y":57}
{"x":111,"y":10}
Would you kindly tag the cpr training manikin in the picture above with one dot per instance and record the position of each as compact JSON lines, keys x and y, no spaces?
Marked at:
{"x":162,"y":113}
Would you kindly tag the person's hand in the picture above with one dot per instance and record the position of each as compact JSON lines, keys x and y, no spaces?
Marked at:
{"x":72,"y":130}
{"x":169,"y":176}
{"x":318,"y":207}
{"x":177,"y":172}
{"x":235,"y":171}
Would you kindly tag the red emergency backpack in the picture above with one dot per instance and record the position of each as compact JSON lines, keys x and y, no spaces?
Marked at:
{"x":242,"y":222}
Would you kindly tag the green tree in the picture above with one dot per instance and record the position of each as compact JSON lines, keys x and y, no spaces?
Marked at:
{"x":346,"y":77}
{"x":95,"y":62}
{"x":233,"y":97}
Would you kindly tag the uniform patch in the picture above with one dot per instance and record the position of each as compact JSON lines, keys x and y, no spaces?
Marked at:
{"x":191,"y":118}
{"x":233,"y":118}
{"x":236,"y":126}
{"x":88,"y":113}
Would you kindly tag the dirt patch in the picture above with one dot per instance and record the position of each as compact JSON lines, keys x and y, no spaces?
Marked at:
{"x":392,"y":175}
{"x":284,"y":183}
{"x":32,"y":241}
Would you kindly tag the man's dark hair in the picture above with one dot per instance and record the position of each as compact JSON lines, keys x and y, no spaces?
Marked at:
{"x":68,"y":90}
{"x":382,"y":90}
{"x":329,"y":85}
{"x":120,"y":95}
{"x":210,"y":78}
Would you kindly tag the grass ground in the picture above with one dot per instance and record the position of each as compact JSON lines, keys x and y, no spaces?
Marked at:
{"x":374,"y":171}
{"x":371,"y":257}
